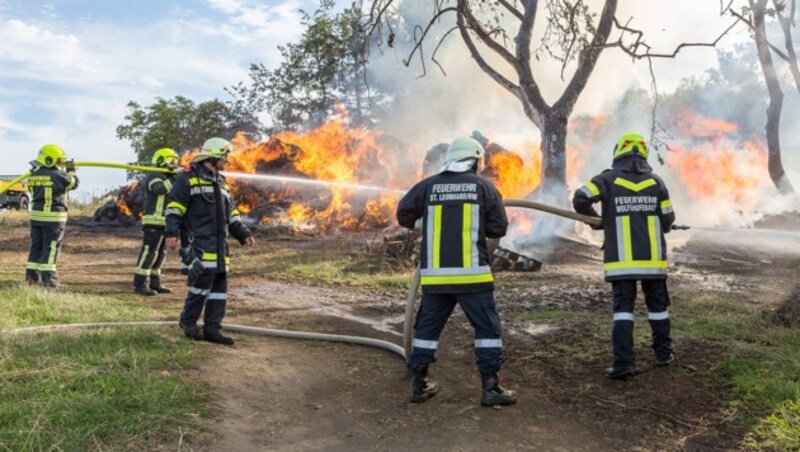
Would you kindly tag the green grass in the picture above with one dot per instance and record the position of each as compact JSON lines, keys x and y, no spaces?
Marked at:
{"x":113,"y":389}
{"x":125,"y":388}
{"x":329,"y":268}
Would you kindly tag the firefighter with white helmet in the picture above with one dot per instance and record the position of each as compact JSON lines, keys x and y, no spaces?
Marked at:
{"x":200,"y":203}
{"x":458,"y":210}
{"x":51,"y":178}
{"x":636,"y":213}
{"x":147,"y":273}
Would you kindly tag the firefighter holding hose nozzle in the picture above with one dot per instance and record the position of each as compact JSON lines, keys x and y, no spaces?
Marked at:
{"x":458,"y":210}
{"x":147,"y":274}
{"x":637,"y":212}
{"x":51,"y":178}
{"x":200,"y":201}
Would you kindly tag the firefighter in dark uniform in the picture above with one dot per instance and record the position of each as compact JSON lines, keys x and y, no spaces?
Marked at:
{"x":637,"y":212}
{"x":200,"y":201}
{"x":458,"y":210}
{"x":147,"y":274}
{"x":51,"y":178}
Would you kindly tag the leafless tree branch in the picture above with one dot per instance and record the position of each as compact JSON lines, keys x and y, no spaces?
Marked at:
{"x":786,"y":26}
{"x":511,"y":8}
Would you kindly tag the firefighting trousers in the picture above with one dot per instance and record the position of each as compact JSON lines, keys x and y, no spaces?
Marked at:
{"x":481,"y":312}
{"x":46,"y":242}
{"x":657,"y":299}
{"x":151,"y":256}
{"x":209,"y":291}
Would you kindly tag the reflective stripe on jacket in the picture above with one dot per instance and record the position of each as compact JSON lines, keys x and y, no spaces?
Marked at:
{"x":48,"y":188}
{"x":637,"y":212}
{"x":459,"y":211}
{"x":157,"y":187}
{"x":201,"y":203}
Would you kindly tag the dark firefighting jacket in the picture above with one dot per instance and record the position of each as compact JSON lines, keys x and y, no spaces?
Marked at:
{"x":48,"y":188}
{"x":637,"y":212}
{"x":202,"y":201}
{"x":157,"y":186}
{"x":459,"y":211}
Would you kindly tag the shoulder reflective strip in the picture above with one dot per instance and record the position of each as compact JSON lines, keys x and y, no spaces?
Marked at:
{"x":198,"y":181}
{"x":437,"y":236}
{"x":197,"y":291}
{"x":488,"y":343}
{"x":634,"y":186}
{"x":48,"y":199}
{"x":590,"y":189}
{"x":453,"y":271}
{"x":466,"y":235}
{"x":624,"y":316}
{"x":177,"y":205}
{"x":154,"y":181}
{"x":664,"y":315}
{"x":217,"y":296}
{"x":32,"y":266}
{"x":456,"y":279}
{"x":421,"y":343}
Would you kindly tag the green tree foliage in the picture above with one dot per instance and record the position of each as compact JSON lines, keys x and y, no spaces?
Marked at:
{"x":180,"y":124}
{"x":323,"y":69}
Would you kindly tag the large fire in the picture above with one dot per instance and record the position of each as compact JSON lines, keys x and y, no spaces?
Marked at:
{"x":716,"y":164}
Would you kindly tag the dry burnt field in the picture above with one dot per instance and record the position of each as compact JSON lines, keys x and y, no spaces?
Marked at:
{"x":732,"y":308}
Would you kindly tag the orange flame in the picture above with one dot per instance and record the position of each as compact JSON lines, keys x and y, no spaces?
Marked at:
{"x":122,"y":206}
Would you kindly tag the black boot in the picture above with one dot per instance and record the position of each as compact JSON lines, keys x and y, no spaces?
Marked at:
{"x":155,"y":284}
{"x":494,"y":394}
{"x":218,"y":338}
{"x":140,"y":286}
{"x":423,"y":388}
{"x":49,"y":279}
{"x":619,"y":373}
{"x":192,"y":332}
{"x":32,"y":277}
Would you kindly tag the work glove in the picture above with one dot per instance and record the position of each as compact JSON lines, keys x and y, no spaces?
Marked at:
{"x":196,"y":269}
{"x":70,"y":166}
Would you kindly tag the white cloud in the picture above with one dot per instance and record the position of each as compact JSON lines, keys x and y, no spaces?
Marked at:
{"x":76,"y":81}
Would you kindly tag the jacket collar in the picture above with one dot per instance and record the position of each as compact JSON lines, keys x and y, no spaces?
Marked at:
{"x":633,"y":163}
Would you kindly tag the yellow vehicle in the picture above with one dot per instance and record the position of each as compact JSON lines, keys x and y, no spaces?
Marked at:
{"x":16,"y":197}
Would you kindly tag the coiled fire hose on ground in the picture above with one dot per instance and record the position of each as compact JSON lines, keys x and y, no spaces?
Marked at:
{"x":408,"y":324}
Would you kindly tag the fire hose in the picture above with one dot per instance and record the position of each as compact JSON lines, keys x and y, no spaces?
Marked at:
{"x":404,"y":352}
{"x":22,"y":177}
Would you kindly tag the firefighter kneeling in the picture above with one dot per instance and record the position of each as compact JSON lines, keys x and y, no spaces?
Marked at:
{"x":637,"y":212}
{"x":201,"y":202}
{"x":458,"y":210}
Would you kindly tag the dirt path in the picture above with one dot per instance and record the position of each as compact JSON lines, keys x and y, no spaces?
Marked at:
{"x":279,"y":394}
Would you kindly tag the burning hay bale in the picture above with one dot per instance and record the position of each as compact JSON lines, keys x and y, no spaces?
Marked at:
{"x":124,"y":208}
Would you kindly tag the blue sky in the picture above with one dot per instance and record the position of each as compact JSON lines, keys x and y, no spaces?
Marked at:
{"x":68,"y":68}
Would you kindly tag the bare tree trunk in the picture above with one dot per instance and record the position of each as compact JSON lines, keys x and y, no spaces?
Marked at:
{"x":775,"y":166}
{"x":554,"y":158}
